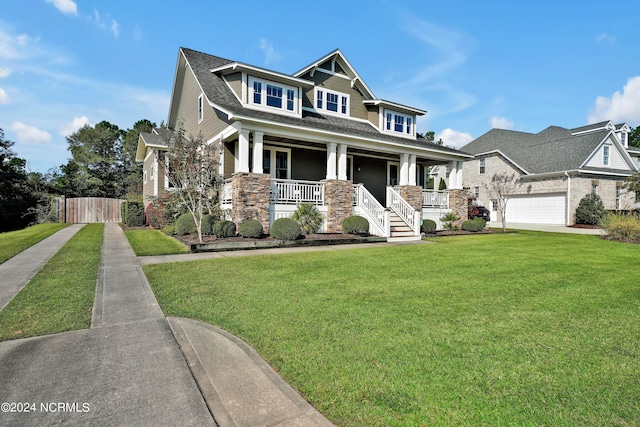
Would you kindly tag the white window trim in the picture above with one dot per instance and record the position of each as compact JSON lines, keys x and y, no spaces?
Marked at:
{"x":200,"y":108}
{"x":323,"y":108}
{"x":297,"y":107}
{"x":606,"y":155}
{"x":272,"y":149}
{"x":151,"y":174}
{"x":389,"y":164}
{"x":482,"y":164}
{"x":392,"y":131}
{"x":144,"y":176}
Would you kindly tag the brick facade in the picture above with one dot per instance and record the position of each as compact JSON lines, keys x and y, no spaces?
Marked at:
{"x":250,"y":198}
{"x":338,"y":197}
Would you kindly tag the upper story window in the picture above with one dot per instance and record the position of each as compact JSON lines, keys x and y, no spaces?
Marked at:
{"x":200,"y":108}
{"x":623,"y":138}
{"x":273,"y":95}
{"x":482,"y":166}
{"x":398,"y":123}
{"x":332,"y":102}
{"x":605,"y":155}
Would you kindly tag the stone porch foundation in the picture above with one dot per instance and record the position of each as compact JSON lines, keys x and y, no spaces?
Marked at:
{"x":250,"y":194}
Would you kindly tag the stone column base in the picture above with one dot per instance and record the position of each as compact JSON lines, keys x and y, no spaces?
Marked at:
{"x":459,"y":205}
{"x":250,"y":194}
{"x":339,"y":200}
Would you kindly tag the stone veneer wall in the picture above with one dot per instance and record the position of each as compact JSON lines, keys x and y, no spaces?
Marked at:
{"x":338,"y":196}
{"x":459,"y":204}
{"x":250,"y":194}
{"x":412,"y":194}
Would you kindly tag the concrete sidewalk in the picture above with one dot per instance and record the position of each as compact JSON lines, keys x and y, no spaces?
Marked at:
{"x":17,"y":271}
{"x":128,"y":369}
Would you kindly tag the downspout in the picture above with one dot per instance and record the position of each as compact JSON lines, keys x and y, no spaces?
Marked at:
{"x":568,"y":221}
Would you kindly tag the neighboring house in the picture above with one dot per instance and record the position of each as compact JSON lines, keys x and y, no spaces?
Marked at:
{"x":317,"y":136}
{"x":556,"y":167}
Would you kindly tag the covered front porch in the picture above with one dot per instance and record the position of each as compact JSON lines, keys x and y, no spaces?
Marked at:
{"x":269,"y":174}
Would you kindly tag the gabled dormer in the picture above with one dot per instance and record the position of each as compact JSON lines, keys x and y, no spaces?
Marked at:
{"x":622,"y":132}
{"x":261,"y":89}
{"x":394,"y":119}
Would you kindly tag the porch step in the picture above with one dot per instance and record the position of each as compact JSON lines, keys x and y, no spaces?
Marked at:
{"x":400,"y":231}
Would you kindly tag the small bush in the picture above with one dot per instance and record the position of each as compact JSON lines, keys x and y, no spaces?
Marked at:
{"x":224,"y":228}
{"x":428,"y":226}
{"x":620,"y":226}
{"x":169,"y":229}
{"x":185,"y":225}
{"x":207,"y":223}
{"x":308,"y":218}
{"x":356,"y":224}
{"x":590,"y":210}
{"x":476,"y":224}
{"x":250,"y":228}
{"x":135,"y":214}
{"x":285,"y":229}
{"x":448,"y":221}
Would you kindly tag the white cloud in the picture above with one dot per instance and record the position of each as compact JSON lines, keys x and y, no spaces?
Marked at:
{"x":604,"y":37}
{"x":115,"y":28}
{"x":501,"y":123}
{"x":11,"y":46}
{"x":4,"y":72}
{"x":454,"y":138}
{"x":4,"y":98}
{"x":74,"y":125}
{"x":29,"y":134}
{"x":620,"y":107}
{"x":65,"y":6}
{"x":270,"y":54}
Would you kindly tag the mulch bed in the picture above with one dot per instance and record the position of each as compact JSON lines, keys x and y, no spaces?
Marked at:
{"x":192,"y":240}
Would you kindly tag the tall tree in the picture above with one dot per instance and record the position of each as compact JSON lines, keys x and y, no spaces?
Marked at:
{"x":16,"y":195}
{"x":192,"y":169}
{"x":132,"y":170}
{"x":634,"y":137}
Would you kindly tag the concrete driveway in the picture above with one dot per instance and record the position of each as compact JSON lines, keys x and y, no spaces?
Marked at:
{"x":547,"y":228}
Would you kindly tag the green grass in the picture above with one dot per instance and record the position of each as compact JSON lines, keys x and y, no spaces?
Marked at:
{"x":60,"y":296}
{"x":14,"y":242}
{"x":154,"y":242}
{"x":518,"y":329}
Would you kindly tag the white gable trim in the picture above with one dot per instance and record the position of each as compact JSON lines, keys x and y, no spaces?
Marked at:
{"x":615,"y":142}
{"x":488,"y":153}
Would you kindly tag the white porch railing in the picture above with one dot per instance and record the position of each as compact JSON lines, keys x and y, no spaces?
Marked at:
{"x":225,"y":192}
{"x":404,"y":210}
{"x":289,"y":192}
{"x":435,"y":199}
{"x":371,"y":209}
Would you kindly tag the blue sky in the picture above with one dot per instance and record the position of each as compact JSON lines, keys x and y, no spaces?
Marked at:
{"x":472,"y":65}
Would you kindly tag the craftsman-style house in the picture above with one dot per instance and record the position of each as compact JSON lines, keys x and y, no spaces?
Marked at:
{"x":316,"y":136}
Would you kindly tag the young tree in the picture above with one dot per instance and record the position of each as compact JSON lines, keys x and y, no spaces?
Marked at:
{"x":192,"y":169}
{"x":633,"y":184}
{"x":499,"y":188}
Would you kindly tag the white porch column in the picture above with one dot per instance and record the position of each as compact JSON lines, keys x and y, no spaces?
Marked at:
{"x":404,"y":169}
{"x":459,"y":179}
{"x":342,"y":162}
{"x":453,"y":176}
{"x":331,"y":160}
{"x":412,"y":169}
{"x":257,"y":151}
{"x":243,"y":151}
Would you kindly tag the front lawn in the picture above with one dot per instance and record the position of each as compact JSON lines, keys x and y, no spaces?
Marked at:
{"x":14,"y":242}
{"x":60,"y":296}
{"x":154,"y":242}
{"x":517,"y":329}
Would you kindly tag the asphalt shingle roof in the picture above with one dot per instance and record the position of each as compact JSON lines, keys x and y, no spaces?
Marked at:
{"x":219,"y":93}
{"x":554,"y":149}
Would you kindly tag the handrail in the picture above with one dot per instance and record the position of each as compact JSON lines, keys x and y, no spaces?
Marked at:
{"x":226,"y":192}
{"x":435,"y":199}
{"x":375,"y":213}
{"x":404,"y":210}
{"x":292,"y":192}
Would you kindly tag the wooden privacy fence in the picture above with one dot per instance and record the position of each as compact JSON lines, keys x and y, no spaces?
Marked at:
{"x":93,"y":209}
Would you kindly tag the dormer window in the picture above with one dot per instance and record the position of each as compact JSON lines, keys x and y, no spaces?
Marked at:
{"x":398,"y":123}
{"x":623,"y":138}
{"x":605,"y":155}
{"x":271,"y":95}
{"x":332,"y":102}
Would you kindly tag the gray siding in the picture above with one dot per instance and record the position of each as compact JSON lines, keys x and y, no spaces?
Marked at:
{"x":373,"y":174}
{"x":357,"y":108}
{"x":235,"y":82}
{"x":308,"y":165}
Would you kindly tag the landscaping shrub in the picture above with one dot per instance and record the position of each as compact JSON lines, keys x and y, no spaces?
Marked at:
{"x":476,"y":224}
{"x":621,"y":226}
{"x":250,"y":228}
{"x":185,"y":225}
{"x":356,"y":224}
{"x":428,"y":226}
{"x":207,"y":223}
{"x":224,"y":228}
{"x":155,"y":215}
{"x":448,"y":221}
{"x":590,"y":210}
{"x":308,"y":218}
{"x":169,"y":229}
{"x":285,"y":229}
{"x":135,"y":214}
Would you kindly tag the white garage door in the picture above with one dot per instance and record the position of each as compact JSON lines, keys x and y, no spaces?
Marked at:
{"x":537,"y":209}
